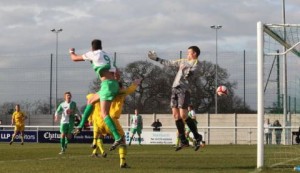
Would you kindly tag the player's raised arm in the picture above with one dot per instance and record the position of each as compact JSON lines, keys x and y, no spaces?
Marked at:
{"x":153,"y":56}
{"x":74,"y":56}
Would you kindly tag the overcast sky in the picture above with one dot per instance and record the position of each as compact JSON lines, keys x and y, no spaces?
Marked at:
{"x":129,"y":26}
{"x":136,"y":25}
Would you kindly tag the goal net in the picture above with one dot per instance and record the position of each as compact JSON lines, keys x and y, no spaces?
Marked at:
{"x":278,"y":52}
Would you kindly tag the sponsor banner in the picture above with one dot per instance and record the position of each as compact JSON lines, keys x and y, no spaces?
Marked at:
{"x":161,"y":138}
{"x":167,"y":138}
{"x":29,"y":136}
{"x":83,"y":137}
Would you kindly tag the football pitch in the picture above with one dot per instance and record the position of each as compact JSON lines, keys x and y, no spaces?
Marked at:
{"x":44,"y":158}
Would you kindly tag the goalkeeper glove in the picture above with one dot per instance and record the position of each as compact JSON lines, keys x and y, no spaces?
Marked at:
{"x":152,"y":55}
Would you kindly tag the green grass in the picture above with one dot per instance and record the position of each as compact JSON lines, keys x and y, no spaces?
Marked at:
{"x":44,"y":158}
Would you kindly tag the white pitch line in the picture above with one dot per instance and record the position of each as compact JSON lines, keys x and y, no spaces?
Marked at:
{"x":42,"y":159}
{"x":283,"y":163}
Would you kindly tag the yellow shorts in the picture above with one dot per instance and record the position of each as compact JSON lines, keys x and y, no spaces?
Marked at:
{"x":99,"y":127}
{"x":19,"y":127}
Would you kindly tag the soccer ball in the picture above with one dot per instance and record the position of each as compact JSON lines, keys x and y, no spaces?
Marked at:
{"x":222,"y":91}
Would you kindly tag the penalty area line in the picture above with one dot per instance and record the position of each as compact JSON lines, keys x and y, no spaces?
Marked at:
{"x":46,"y":158}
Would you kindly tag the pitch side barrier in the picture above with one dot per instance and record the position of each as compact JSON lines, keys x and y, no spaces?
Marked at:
{"x":167,"y":135}
{"x":46,"y":134}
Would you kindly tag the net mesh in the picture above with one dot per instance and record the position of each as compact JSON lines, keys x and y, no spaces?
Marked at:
{"x":287,"y":35}
{"x":282,"y":153}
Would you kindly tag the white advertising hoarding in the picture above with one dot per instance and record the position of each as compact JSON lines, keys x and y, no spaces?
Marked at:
{"x":161,"y":138}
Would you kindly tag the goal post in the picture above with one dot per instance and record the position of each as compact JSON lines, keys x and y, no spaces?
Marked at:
{"x":284,"y":35}
{"x":260,"y":95}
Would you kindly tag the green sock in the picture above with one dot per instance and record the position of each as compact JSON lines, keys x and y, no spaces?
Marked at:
{"x":62,"y":143}
{"x":112,"y":127}
{"x":87,"y":111}
{"x":140,"y":140}
{"x":66,"y":141}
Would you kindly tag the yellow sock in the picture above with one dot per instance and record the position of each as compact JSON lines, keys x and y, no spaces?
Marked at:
{"x":13,"y":137}
{"x":95,"y":143}
{"x":122,"y":153}
{"x":177,"y":141}
{"x":94,"y":140}
{"x":100,"y":145}
{"x":190,"y":139}
{"x":22,"y":138}
{"x":94,"y":151}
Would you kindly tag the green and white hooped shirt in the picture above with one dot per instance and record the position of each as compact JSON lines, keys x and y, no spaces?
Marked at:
{"x":66,"y":110}
{"x":136,"y":121}
{"x":100,"y":61}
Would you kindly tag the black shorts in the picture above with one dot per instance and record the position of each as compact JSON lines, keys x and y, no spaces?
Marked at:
{"x":180,"y":98}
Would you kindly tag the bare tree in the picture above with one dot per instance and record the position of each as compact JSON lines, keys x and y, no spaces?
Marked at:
{"x":153,"y":94}
{"x":154,"y":90}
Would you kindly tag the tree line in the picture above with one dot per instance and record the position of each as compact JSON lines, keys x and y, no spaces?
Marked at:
{"x":153,"y":94}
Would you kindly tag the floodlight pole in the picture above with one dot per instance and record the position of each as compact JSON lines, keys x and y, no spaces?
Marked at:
{"x":216,"y":27}
{"x":56,"y":59}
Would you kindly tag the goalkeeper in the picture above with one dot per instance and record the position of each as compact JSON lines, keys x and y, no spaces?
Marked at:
{"x":180,"y":97}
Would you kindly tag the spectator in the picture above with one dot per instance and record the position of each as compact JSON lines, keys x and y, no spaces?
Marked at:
{"x":156,"y":124}
{"x":278,"y":131}
{"x":268,"y":131}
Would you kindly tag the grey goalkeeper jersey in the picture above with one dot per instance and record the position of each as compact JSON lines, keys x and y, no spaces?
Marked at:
{"x":186,"y":69}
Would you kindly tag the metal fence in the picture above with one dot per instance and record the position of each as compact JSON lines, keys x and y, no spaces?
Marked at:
{"x":217,"y":128}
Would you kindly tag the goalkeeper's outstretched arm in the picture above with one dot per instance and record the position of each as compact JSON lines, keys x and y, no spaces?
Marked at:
{"x":153,"y":56}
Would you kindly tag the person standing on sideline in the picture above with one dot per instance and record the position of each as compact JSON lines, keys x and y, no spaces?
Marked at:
{"x":18,"y":119}
{"x":268,"y":131}
{"x":180,"y":97}
{"x":106,"y":69}
{"x":156,"y":124}
{"x":136,"y":122}
{"x":67,"y":110}
{"x":278,"y":131}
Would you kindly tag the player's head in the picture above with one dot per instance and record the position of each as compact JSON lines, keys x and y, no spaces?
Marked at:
{"x":136,"y":111}
{"x":190,"y":107}
{"x":96,"y":45}
{"x":17,"y":107}
{"x":193,"y":52}
{"x":68,"y":96}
